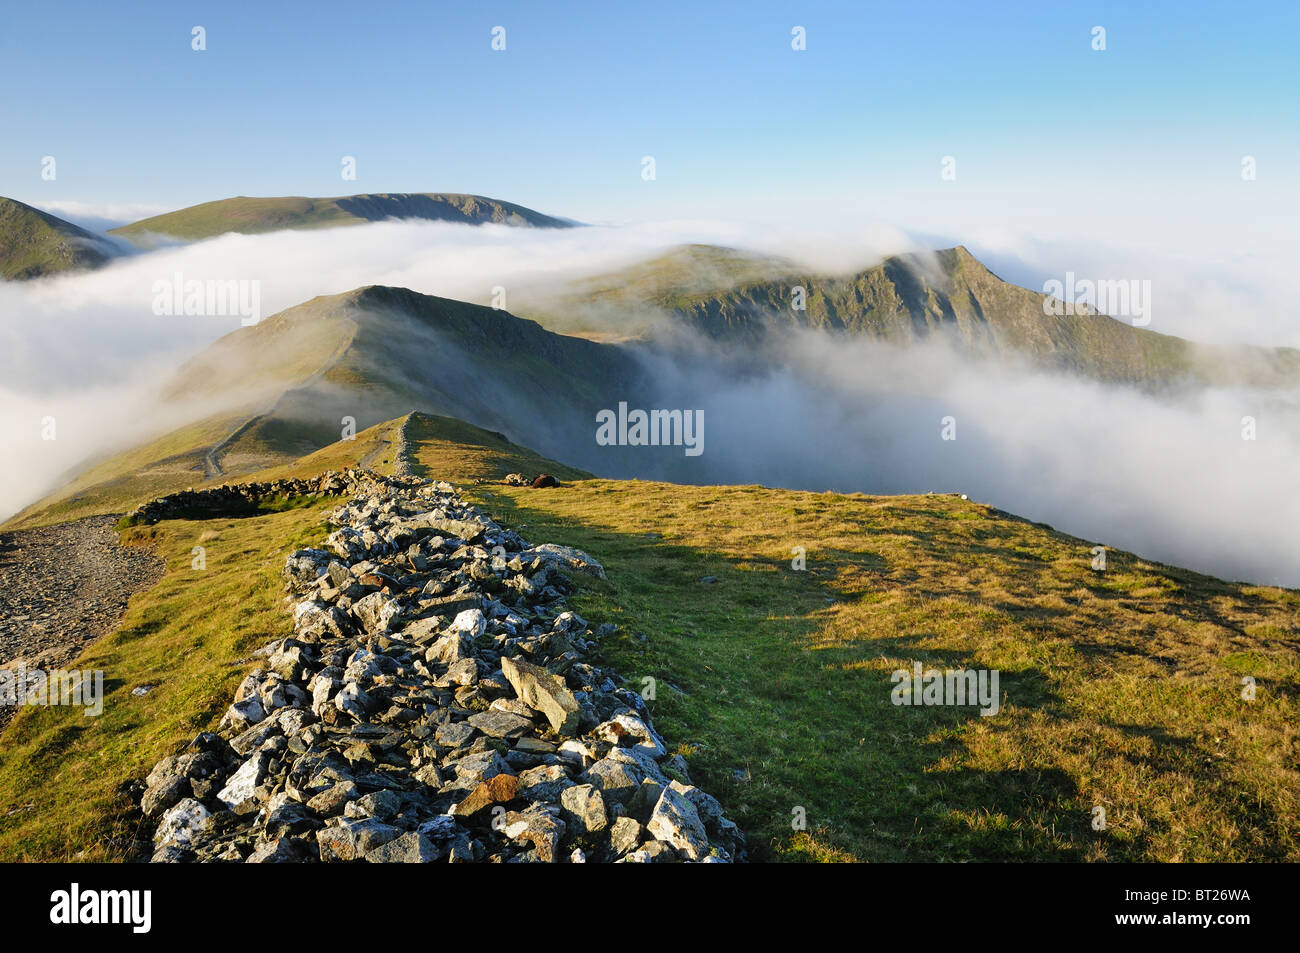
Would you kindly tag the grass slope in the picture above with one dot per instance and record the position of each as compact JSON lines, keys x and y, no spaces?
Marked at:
{"x":630,"y":303}
{"x":34,"y":243}
{"x":60,"y":773}
{"x":440,"y":448}
{"x":118,"y":482}
{"x":912,"y":297}
{"x":1120,"y":689}
{"x":252,"y":216}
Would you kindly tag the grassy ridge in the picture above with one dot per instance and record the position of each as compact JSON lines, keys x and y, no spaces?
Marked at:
{"x":730,"y":295}
{"x":1121,"y":689}
{"x":34,"y":243}
{"x":190,"y":635}
{"x":264,"y":396}
{"x":254,"y":215}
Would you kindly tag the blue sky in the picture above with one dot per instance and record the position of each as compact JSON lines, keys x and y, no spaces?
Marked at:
{"x":1042,"y":126}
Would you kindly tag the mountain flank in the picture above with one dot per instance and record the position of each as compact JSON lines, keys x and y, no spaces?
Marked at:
{"x":34,"y":244}
{"x":266,"y":395}
{"x":730,"y":296}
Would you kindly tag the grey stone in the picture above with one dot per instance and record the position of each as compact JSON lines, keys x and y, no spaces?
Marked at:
{"x":537,"y":826}
{"x":676,"y":822}
{"x":283,"y":850}
{"x":544,"y":691}
{"x":624,"y":835}
{"x":500,"y":724}
{"x":410,"y":848}
{"x":334,"y":799}
{"x":381,"y":805}
{"x":182,"y":823}
{"x":584,"y":809}
{"x":353,"y":839}
{"x":455,"y":734}
{"x":169,"y":790}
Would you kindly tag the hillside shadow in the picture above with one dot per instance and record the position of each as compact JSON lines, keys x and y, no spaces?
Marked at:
{"x":806,"y":722}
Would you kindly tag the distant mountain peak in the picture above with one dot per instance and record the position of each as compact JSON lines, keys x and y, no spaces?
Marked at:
{"x":253,"y":215}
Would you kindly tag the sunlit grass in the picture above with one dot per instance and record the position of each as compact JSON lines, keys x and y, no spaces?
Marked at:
{"x":1121,"y":690}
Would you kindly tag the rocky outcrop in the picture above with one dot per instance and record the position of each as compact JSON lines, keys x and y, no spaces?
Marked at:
{"x":239,"y":499}
{"x":436,"y":702}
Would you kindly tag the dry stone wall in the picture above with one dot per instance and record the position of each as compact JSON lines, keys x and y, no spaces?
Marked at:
{"x":437,"y":702}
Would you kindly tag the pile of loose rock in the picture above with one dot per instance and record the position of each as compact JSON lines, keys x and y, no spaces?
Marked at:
{"x":241,"y":498}
{"x":436,"y":702}
{"x":539,"y":482}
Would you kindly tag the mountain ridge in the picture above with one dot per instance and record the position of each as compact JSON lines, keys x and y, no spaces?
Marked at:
{"x":34,"y":244}
{"x":290,"y":385}
{"x":756,"y":660}
{"x":251,"y":215}
{"x":907,"y":299}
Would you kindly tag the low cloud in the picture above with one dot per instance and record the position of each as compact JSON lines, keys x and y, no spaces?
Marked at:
{"x":1170,"y":480}
{"x":48,"y":439}
{"x":99,"y":217}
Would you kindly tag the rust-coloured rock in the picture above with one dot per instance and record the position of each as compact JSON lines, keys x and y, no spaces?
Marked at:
{"x":498,"y":789}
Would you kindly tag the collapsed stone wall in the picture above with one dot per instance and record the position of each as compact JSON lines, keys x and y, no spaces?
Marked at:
{"x":240,"y":498}
{"x":437,"y":701}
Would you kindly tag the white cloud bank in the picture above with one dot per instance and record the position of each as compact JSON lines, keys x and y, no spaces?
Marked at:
{"x":1169,"y":481}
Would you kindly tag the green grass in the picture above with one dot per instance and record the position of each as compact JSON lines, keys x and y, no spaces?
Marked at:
{"x":1121,"y":689}
{"x":256,"y":215}
{"x":61,"y":773}
{"x":34,"y":243}
{"x":249,"y":216}
{"x":443,"y":448}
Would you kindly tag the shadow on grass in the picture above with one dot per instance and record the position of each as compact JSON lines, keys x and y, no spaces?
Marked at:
{"x":778,"y":727}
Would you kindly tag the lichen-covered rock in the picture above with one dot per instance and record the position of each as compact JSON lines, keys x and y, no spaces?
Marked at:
{"x":353,"y":839}
{"x":676,"y":822}
{"x":182,"y":823}
{"x":544,"y":691}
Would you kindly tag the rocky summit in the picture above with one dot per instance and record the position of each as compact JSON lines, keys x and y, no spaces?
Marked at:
{"x":437,"y":702}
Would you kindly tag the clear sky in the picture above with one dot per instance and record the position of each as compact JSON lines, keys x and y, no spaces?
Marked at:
{"x":1040,"y":124}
